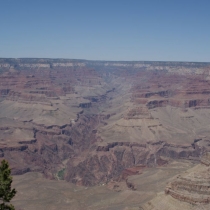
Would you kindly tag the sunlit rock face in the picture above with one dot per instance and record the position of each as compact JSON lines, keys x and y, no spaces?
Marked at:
{"x":188,"y":190}
{"x":192,"y":187}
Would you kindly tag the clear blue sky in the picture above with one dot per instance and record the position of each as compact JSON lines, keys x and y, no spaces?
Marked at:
{"x":171,"y":30}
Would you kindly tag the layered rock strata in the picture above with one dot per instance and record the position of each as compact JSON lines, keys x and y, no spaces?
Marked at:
{"x":194,"y":187}
{"x":101,"y":121}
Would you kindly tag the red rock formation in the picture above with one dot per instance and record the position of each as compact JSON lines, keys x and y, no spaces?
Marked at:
{"x":44,"y":146}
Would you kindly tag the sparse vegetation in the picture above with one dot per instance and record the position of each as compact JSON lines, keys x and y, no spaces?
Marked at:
{"x":61,"y":174}
{"x":6,"y":193}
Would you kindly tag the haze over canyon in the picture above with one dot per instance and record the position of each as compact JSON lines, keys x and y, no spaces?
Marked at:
{"x":106,"y":135}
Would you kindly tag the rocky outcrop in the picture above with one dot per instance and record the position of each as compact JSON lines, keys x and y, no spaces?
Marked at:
{"x":115,"y":144}
{"x":14,"y":148}
{"x":50,"y":146}
{"x":117,"y":160}
{"x":157,"y":103}
{"x":186,"y":91}
{"x":192,"y":187}
{"x":131,"y":171}
{"x":137,"y":113}
{"x":85,"y":105}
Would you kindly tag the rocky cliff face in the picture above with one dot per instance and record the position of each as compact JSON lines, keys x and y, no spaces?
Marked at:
{"x":192,"y":187}
{"x":101,"y":121}
{"x":109,"y":162}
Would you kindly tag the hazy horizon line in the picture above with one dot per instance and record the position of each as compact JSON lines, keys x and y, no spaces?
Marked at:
{"x":81,"y":59}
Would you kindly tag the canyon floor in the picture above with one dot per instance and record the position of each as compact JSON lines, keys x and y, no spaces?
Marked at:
{"x":106,"y":135}
{"x":35,"y":192}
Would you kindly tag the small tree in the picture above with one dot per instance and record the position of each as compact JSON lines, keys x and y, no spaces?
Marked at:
{"x":6,"y":193}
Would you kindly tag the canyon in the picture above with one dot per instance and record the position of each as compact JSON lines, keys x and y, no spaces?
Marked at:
{"x":124,"y":129}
